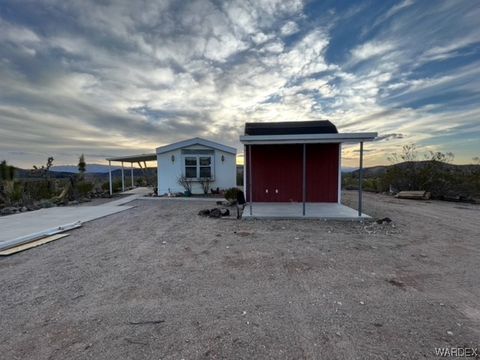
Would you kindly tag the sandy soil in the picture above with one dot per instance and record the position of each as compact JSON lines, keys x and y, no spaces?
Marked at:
{"x":160,"y":282}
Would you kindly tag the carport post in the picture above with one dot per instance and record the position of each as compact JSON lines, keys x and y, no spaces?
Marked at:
{"x":123,"y":179}
{"x":131,"y":172}
{"x":360,"y":180}
{"x":250,"y":192}
{"x":304,"y":177}
{"x":110,"y":177}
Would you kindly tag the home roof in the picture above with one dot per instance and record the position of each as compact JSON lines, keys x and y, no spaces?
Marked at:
{"x":290,"y":128}
{"x":196,"y":141}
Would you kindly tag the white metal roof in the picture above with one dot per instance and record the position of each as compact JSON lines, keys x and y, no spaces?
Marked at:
{"x":196,"y":141}
{"x":135,"y":158}
{"x":308,"y":138}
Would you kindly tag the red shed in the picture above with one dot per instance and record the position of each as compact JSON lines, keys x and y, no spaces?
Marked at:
{"x":295,"y":162}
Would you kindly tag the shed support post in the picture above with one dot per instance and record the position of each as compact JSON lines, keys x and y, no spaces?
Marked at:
{"x":304,"y":178}
{"x":110,"y":177}
{"x":123,"y":179}
{"x":250,"y":192}
{"x":360,"y":181}
{"x":131,"y":172}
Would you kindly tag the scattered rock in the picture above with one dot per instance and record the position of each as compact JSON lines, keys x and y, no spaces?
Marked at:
{"x":8,"y":210}
{"x":214,"y":213}
{"x":397,"y":283}
{"x":242,"y":233}
{"x":385,"y":220}
{"x":449,"y":333}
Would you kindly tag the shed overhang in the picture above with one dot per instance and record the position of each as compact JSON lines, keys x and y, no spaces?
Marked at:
{"x":308,"y":138}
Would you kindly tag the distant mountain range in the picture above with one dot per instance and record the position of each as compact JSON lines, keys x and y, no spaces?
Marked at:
{"x":100,"y":169}
{"x":376,"y":171}
{"x":91,"y":168}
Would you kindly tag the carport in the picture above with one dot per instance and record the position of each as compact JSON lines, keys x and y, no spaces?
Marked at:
{"x":139,"y":159}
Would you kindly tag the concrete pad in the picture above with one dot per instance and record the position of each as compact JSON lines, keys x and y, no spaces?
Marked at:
{"x":327,"y":211}
{"x":141,"y":190}
{"x":181,"y":198}
{"x":19,"y":228}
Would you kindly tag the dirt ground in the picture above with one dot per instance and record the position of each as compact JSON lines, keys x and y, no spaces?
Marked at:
{"x":160,"y":282}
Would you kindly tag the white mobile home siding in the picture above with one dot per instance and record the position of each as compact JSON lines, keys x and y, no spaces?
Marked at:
{"x":168,"y":172}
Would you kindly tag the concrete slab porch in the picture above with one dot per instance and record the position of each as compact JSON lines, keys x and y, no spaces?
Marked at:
{"x":326,"y":211}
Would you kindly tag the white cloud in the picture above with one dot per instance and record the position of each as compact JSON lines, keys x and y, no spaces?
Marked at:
{"x":146,"y":75}
{"x":289,"y":28}
{"x":371,"y":49}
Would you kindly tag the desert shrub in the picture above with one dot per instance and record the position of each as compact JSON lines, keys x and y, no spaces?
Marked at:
{"x":186,"y":183}
{"x":231,"y":194}
{"x":205,"y":183}
{"x":116,"y":186}
{"x":84,"y":188}
{"x":39,"y":189}
{"x":12,"y":192}
{"x":140,"y":182}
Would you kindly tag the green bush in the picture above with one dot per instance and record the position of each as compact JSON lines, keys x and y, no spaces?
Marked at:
{"x":231,"y":194}
{"x":84,"y":188}
{"x":116,"y":186}
{"x":39,"y":189}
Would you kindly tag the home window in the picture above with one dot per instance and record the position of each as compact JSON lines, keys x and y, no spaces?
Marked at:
{"x":205,"y":167}
{"x":198,"y":166}
{"x":191,"y":167}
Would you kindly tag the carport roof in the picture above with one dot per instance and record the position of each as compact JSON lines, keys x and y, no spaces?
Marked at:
{"x":135,"y":158}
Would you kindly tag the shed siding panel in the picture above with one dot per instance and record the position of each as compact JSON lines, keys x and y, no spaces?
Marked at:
{"x":277,"y":173}
{"x":280,"y":167}
{"x":322,"y":172}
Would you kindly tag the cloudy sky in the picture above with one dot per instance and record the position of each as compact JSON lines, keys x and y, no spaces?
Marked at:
{"x":122,"y":76}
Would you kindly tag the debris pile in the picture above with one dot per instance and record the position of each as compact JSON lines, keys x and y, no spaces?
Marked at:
{"x":214,"y":213}
{"x":414,"y":195}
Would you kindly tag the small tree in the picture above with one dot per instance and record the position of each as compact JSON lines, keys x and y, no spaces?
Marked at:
{"x":186,"y":183}
{"x":205,"y":182}
{"x":44,"y":169}
{"x":7,"y":172}
{"x":82,"y":165}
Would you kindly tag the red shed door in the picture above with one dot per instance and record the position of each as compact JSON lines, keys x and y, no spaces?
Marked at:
{"x":322,"y":172}
{"x":277,"y":173}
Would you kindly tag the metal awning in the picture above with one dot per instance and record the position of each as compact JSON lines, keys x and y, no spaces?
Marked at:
{"x":135,"y":158}
{"x":139,"y":158}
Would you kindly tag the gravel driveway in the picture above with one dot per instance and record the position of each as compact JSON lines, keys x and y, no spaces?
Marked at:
{"x":159,"y":282}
